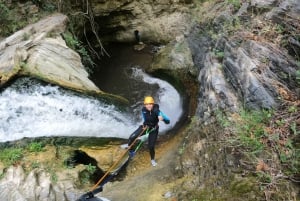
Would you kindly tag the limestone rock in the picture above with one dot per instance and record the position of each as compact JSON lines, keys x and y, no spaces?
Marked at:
{"x":105,"y":157}
{"x":262,"y":4}
{"x":176,"y":56}
{"x":45,"y":62}
{"x":31,"y":51}
{"x":37,"y":185}
{"x":174,"y":63}
{"x":157,"y":21}
{"x":215,"y":91}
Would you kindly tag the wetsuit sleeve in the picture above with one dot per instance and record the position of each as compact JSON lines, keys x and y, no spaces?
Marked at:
{"x":144,"y":119}
{"x":165,"y":117}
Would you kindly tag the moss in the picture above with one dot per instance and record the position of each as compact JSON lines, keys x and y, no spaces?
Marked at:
{"x":242,"y":187}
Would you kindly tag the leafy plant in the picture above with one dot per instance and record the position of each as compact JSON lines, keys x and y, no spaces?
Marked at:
{"x":73,"y":43}
{"x":219,"y":54}
{"x":90,"y":168}
{"x":35,"y":147}
{"x":236,"y":4}
{"x":35,"y":164}
{"x":222,"y":118}
{"x":298,"y":76}
{"x":4,"y":13}
{"x":250,"y":130}
{"x":10,"y":156}
{"x":9,"y":20}
{"x":54,"y":177}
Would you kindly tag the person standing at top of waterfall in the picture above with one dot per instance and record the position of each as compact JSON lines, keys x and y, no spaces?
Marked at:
{"x":151,"y":115}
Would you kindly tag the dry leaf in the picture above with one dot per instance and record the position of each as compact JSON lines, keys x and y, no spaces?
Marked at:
{"x":262,"y":166}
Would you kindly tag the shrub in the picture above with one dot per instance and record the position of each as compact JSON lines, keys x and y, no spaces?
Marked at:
{"x":35,"y":147}
{"x":10,"y":156}
{"x":73,"y":43}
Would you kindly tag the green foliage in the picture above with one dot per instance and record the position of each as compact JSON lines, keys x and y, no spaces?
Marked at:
{"x":35,"y":164}
{"x":298,"y":76}
{"x":45,"y":5}
{"x":73,"y":43}
{"x":279,"y":29}
{"x":181,"y":149}
{"x":90,"y":168}
{"x":85,"y":175}
{"x":4,"y":13}
{"x":219,"y":54}
{"x":251,"y":130}
{"x":54,"y":177}
{"x":8,"y":20}
{"x":292,"y":109}
{"x":35,"y":147}
{"x":222,"y":119}
{"x":264,"y":177}
{"x":10,"y":156}
{"x":236,"y":4}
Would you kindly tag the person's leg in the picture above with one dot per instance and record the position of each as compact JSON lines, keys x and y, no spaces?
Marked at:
{"x":151,"y":143}
{"x":134,"y":135}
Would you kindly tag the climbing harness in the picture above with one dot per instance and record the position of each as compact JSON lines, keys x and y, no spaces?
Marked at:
{"x":110,"y":173}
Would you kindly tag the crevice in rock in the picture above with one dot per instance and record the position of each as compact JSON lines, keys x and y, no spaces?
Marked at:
{"x":80,"y":157}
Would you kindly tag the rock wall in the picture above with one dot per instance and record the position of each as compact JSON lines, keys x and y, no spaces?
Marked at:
{"x":241,"y":66}
{"x":157,"y":21}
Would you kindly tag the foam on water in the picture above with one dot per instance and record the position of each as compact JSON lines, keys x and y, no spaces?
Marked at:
{"x":167,"y":97}
{"x":31,"y":109}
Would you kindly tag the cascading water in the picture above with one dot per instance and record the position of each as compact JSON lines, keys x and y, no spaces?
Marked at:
{"x":166,"y":96}
{"x":29,"y":108}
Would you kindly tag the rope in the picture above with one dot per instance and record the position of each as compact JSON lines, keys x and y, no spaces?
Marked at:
{"x":116,"y":163}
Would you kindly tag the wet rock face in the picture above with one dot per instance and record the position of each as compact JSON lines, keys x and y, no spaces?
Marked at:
{"x":157,"y":21}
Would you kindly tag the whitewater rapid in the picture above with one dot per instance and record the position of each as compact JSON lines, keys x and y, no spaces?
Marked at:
{"x":29,"y":108}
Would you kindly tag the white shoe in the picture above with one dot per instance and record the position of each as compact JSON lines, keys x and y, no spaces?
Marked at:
{"x":153,"y":163}
{"x":124,"y":146}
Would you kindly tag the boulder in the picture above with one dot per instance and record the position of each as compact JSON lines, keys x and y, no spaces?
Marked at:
{"x":175,"y":57}
{"x":39,"y":51}
{"x":174,"y":63}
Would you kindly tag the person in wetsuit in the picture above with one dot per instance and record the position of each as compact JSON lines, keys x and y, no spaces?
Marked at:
{"x":151,"y":116}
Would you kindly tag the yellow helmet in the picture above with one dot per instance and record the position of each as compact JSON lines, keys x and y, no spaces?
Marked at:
{"x":148,"y":100}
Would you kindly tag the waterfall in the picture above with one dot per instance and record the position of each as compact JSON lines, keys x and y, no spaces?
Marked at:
{"x":29,"y":108}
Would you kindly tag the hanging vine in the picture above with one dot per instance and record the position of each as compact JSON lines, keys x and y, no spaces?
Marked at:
{"x":87,"y":14}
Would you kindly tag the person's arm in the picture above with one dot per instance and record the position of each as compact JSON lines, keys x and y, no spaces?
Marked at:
{"x":164,"y":117}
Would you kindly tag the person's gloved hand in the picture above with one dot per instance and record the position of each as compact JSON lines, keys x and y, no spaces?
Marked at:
{"x":166,"y":121}
{"x":143,"y":138}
